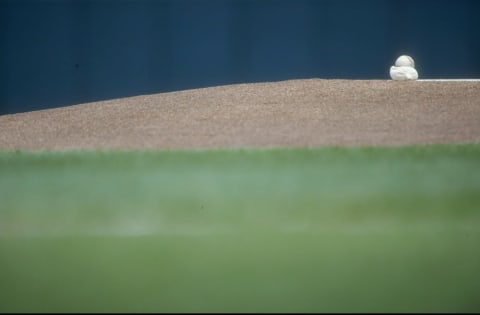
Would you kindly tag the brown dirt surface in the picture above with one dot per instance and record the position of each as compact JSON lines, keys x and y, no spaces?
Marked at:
{"x":294,"y":113}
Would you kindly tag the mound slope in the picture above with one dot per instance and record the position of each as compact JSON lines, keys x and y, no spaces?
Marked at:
{"x":297,"y":113}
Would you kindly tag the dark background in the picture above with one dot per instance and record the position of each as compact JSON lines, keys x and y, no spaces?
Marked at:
{"x":56,"y":53}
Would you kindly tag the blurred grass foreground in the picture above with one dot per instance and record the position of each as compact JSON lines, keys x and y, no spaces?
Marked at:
{"x":332,"y":229}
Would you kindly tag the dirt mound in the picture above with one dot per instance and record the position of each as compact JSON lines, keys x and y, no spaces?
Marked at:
{"x":296,"y":113}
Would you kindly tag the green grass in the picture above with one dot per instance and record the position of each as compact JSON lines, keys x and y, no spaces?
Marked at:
{"x":255,"y":230}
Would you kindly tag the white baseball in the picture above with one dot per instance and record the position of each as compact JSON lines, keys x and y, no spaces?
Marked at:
{"x":405,"y":61}
{"x":404,"y":69}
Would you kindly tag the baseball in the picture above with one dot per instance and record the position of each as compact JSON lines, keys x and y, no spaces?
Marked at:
{"x":404,"y":69}
{"x":405,"y":61}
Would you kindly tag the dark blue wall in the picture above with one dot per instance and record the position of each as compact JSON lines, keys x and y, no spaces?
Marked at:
{"x":62,"y":52}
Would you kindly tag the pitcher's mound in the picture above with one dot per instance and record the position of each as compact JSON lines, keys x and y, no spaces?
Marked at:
{"x":296,"y":113}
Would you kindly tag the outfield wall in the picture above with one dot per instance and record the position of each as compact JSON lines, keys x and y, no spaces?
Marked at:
{"x":62,"y":52}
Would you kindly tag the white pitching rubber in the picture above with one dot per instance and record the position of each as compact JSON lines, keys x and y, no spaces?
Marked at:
{"x":449,"y":80}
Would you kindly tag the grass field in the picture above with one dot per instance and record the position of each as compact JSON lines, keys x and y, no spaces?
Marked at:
{"x":250,"y":230}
